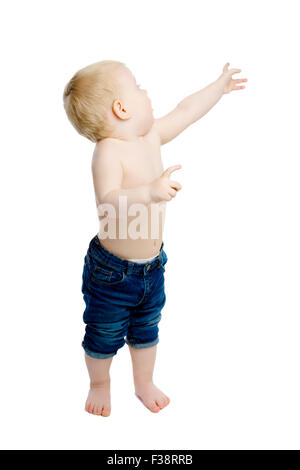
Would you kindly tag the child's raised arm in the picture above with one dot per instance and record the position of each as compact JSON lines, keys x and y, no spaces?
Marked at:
{"x":195,"y":106}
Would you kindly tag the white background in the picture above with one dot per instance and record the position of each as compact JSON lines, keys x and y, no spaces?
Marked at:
{"x":229,"y":348}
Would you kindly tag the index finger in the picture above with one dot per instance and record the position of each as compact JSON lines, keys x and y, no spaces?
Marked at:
{"x":232,"y":71}
{"x":170,"y":170}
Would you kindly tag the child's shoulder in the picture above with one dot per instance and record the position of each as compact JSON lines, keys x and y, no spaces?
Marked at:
{"x":111,"y":143}
{"x":106,"y":155}
{"x":108,"y":146}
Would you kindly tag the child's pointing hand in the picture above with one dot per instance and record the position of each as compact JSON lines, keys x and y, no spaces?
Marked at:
{"x":228,"y":83}
{"x":164,"y":189}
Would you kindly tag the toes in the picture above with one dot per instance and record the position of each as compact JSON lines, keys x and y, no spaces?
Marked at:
{"x":98,"y":403}
{"x":93,"y":409}
{"x":105,"y":411}
{"x":163,"y":401}
{"x":160,"y":402}
{"x":156,"y":404}
{"x":88,"y":407}
{"x":98,"y":410}
{"x":154,"y":407}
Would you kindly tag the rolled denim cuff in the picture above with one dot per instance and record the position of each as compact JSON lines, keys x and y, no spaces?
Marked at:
{"x":142,"y":345}
{"x":97,"y":355}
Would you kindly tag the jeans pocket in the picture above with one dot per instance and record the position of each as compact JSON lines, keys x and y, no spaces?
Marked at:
{"x":103,"y":274}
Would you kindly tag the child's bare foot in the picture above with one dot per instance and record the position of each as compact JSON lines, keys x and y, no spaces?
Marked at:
{"x":153,"y":398}
{"x":98,"y":400}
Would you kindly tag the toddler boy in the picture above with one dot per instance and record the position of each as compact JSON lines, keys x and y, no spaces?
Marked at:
{"x":124,"y":267}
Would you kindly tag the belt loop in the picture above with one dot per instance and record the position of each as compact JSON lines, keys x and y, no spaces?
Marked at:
{"x":129,"y":268}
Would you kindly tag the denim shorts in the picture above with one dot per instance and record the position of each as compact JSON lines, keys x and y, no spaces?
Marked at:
{"x":123,"y":300}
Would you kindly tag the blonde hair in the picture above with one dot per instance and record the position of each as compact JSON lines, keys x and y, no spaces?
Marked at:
{"x":89,"y":95}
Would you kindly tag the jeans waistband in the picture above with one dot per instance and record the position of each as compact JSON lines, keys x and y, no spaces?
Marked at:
{"x":98,"y":251}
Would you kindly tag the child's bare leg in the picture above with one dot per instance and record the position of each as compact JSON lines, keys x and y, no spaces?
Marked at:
{"x":143,"y":361}
{"x":98,"y":400}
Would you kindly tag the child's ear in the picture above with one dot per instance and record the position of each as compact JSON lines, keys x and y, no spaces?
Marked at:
{"x":119,"y":110}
